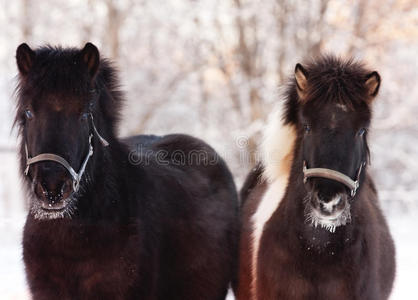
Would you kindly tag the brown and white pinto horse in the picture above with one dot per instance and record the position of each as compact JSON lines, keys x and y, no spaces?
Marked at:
{"x":311,"y":223}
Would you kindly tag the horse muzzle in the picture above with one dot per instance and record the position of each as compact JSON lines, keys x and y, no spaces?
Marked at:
{"x":51,"y":186}
{"x":328,"y":214}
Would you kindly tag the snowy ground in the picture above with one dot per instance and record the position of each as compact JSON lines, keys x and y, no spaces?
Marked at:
{"x":404,"y":232}
{"x":12,"y":281}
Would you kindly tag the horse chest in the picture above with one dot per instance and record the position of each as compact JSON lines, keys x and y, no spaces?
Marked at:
{"x":80,"y":264}
{"x":284,"y":277}
{"x":289,"y":268}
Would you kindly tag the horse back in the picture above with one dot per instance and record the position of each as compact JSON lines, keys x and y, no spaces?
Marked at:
{"x":183,"y":152}
{"x":200,"y":215}
{"x":144,"y":140}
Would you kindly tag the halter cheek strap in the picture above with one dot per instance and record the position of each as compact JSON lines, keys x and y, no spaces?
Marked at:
{"x":353,"y":185}
{"x":76,"y":176}
{"x":102,"y":140}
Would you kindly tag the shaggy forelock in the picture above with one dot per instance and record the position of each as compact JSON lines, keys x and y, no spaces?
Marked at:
{"x":331,"y":81}
{"x":57,"y":70}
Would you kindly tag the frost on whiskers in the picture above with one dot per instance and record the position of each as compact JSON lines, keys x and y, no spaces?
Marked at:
{"x":330,"y":223}
{"x":67,"y":212}
{"x":70,"y":203}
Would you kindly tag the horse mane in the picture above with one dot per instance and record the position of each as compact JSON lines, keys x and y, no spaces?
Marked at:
{"x":331,"y":80}
{"x":57,"y":69}
{"x":108,"y":80}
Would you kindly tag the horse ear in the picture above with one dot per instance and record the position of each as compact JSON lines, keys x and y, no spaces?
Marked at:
{"x":91,"y":57}
{"x":372,"y":83}
{"x":25,"y":57}
{"x":301,"y":77}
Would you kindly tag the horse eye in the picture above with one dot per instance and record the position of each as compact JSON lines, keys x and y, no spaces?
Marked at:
{"x":84,"y":116}
{"x":28,"y":114}
{"x":307,"y":128}
{"x":361,"y":132}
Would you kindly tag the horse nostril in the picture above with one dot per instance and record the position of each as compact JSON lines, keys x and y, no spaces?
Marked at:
{"x":40,"y":189}
{"x":337,"y":200}
{"x":66,"y":188}
{"x":53,"y":192}
{"x":63,"y":187}
{"x":321,"y":197}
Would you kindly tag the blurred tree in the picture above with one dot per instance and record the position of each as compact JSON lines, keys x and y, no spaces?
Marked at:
{"x":26,"y":20}
{"x":212,"y":68}
{"x":115,"y":18}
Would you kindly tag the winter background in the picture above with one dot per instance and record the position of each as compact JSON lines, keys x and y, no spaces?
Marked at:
{"x":213,"y":69}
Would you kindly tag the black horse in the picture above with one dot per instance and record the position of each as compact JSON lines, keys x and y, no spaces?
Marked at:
{"x":311,"y":223}
{"x":103,"y":223}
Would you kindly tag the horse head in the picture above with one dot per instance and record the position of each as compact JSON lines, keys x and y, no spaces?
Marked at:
{"x":57,"y":110}
{"x":334,"y":100}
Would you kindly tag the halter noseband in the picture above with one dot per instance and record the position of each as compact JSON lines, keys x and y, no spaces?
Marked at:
{"x":334,"y":175}
{"x":76,"y":176}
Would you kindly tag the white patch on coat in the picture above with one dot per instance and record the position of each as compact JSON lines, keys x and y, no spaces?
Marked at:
{"x":277,"y":150}
{"x":277,"y":145}
{"x":342,"y":107}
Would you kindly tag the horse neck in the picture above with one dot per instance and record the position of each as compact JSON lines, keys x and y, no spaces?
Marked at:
{"x":107,"y":186}
{"x":108,"y":170}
